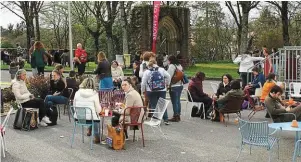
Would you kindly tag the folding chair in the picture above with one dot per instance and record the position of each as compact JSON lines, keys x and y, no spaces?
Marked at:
{"x":257,"y":134}
{"x":137,"y":117}
{"x":156,"y":119}
{"x":79,"y":115}
{"x":296,"y":150}
{"x":2,"y":130}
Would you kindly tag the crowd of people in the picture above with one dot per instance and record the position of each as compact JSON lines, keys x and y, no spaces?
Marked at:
{"x":149,"y":82}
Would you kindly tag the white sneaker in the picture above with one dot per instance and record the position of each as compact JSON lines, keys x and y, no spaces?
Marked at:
{"x":43,"y":124}
{"x":46,"y":120}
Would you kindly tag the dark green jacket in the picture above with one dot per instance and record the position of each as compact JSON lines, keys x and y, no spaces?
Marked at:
{"x":39,"y":55}
{"x":232,"y":93}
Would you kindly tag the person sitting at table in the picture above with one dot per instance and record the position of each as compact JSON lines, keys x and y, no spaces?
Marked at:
{"x":224,"y":86}
{"x":268,"y":85}
{"x":258,"y":78}
{"x":275,"y":108}
{"x":87,"y":96}
{"x":132,"y":99}
{"x":235,"y":91}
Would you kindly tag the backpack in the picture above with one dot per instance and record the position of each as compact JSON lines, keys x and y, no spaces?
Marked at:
{"x":157,"y":81}
{"x":195,"y":112}
{"x":177,"y":76}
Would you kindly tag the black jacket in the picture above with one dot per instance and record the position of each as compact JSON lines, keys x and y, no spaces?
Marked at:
{"x":222,"y":89}
{"x":103,"y":70}
{"x":71,"y":83}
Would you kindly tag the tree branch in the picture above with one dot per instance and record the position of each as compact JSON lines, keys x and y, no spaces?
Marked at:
{"x":12,"y":11}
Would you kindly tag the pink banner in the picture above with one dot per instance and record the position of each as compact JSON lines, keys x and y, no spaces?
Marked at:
{"x":155,"y":23}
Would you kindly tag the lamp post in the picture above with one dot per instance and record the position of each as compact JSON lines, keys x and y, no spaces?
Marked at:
{"x":70,"y":37}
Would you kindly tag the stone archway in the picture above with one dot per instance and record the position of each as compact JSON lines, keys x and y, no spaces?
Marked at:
{"x":173,"y":26}
{"x":168,"y":36}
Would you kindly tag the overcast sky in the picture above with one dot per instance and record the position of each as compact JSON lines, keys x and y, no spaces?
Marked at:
{"x":7,"y":17}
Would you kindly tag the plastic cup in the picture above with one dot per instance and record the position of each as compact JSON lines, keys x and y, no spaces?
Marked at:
{"x":107,"y":112}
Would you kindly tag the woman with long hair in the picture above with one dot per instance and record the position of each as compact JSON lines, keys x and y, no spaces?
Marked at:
{"x":175,"y":88}
{"x":268,"y":67}
{"x":103,"y":72}
{"x":40,"y":57}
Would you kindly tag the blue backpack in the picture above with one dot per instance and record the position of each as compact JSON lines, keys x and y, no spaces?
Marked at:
{"x":157,"y":81}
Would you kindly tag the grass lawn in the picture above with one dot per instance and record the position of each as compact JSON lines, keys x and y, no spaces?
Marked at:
{"x":212,"y":70}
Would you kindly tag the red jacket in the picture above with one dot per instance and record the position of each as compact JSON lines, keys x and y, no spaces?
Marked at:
{"x":81,"y":55}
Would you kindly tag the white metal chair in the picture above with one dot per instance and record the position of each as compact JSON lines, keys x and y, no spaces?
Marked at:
{"x":2,"y":130}
{"x":296,"y":89}
{"x":296,"y":150}
{"x":156,"y":119}
{"x":214,"y":87}
{"x":199,"y":104}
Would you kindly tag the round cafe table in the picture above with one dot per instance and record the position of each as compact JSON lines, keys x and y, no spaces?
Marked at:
{"x":286,"y":126}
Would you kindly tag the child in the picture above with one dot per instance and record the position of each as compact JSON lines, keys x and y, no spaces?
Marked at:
{"x":13,"y":68}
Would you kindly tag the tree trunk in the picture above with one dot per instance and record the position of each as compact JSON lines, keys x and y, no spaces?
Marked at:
{"x":239,"y":31}
{"x":284,"y":17}
{"x":29,"y":31}
{"x":125,"y":45}
{"x":245,"y":27}
{"x":109,"y":35}
{"x":38,"y":36}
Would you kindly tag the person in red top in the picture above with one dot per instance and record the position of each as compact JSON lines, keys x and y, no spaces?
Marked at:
{"x":268,"y":67}
{"x":80,"y":59}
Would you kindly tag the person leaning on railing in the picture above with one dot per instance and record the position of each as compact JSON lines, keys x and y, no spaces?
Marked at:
{"x":246,"y":64}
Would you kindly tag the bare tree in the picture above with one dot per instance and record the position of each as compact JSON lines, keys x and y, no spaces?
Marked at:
{"x":242,"y":20}
{"x":124,"y":10}
{"x":283,"y":8}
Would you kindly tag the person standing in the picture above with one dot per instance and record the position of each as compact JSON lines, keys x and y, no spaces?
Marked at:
{"x":154,"y":82}
{"x":268,"y":67}
{"x":40,"y":57}
{"x":246,"y":65}
{"x":175,"y":88}
{"x":103,"y":72}
{"x":80,"y":58}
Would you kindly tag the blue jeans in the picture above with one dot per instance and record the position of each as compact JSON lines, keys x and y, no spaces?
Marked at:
{"x":96,"y":128}
{"x":153,"y":99}
{"x":106,"y":83}
{"x":175,"y":95}
{"x":51,"y":100}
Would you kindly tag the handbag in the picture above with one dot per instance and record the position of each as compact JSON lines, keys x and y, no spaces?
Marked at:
{"x":30,"y":120}
{"x":19,"y":118}
{"x":177,"y":76}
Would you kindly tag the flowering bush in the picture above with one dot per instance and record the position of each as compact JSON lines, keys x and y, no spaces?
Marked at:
{"x":39,"y":86}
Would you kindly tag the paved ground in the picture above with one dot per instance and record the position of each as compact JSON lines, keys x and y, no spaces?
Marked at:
{"x":189,"y":140}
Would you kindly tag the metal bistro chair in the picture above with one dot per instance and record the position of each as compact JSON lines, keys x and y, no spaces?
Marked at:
{"x":257,"y":134}
{"x":70,"y":92}
{"x":296,"y":150}
{"x":156,"y":119}
{"x":137,"y":117}
{"x":2,"y":130}
{"x":81,"y":120}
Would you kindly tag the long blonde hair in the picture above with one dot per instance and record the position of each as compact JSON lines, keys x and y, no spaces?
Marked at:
{"x":101,"y":56}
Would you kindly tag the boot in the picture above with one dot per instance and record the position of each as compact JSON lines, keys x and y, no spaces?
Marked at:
{"x":96,"y":140}
{"x":175,"y":118}
{"x":89,"y":132}
{"x":179,"y":118}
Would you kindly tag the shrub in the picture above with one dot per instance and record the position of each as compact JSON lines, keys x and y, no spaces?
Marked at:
{"x":8,"y":94}
{"x":39,"y":86}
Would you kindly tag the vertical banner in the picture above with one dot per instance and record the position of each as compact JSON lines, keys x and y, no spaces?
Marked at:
{"x":155,"y":23}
